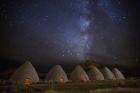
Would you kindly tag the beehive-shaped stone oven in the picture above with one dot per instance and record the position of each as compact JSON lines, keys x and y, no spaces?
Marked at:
{"x":79,"y":74}
{"x":95,"y":74}
{"x":57,"y":74}
{"x":25,"y":72}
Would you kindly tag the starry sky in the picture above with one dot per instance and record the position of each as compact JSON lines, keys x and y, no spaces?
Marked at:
{"x":70,"y":31}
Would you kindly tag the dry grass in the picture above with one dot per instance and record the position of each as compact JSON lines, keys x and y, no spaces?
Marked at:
{"x":51,"y":91}
{"x":106,"y":86}
{"x":116,"y":90}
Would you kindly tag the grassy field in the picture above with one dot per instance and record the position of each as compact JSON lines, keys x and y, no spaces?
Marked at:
{"x":116,"y":90}
{"x":108,"y":86}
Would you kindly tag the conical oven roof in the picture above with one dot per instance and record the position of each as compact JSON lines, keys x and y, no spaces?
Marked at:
{"x":56,"y":74}
{"x":25,"y":71}
{"x":79,"y":74}
{"x":95,"y":74}
{"x":118,"y":74}
{"x":108,"y":74}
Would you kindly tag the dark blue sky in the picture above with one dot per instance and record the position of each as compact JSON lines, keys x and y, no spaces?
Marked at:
{"x":70,"y":31}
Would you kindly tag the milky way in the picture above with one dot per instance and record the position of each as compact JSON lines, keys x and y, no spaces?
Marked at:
{"x":80,"y":42}
{"x":68,"y":31}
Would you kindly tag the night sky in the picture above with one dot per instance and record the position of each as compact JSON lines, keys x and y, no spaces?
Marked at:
{"x":67,"y":32}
